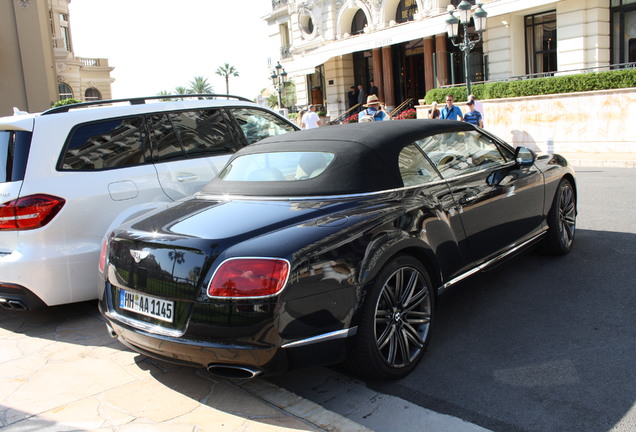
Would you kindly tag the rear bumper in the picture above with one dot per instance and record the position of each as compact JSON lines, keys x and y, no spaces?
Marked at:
{"x":267,"y":359}
{"x":49,"y":274}
{"x":18,"y":298}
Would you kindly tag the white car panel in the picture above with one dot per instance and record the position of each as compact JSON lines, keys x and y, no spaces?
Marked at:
{"x":57,"y":263}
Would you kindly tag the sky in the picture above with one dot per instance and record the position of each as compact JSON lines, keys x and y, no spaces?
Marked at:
{"x":157,"y":45}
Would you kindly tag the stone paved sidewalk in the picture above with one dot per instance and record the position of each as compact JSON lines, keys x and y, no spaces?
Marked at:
{"x":60,"y":371}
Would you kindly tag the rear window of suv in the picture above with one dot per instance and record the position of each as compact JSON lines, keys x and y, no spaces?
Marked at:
{"x":115,"y":143}
{"x":14,"y":153}
{"x":125,"y":142}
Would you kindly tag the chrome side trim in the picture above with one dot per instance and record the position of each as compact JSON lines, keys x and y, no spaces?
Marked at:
{"x":491,"y":261}
{"x":150,"y":328}
{"x":228,"y":197}
{"x":338,"y":334}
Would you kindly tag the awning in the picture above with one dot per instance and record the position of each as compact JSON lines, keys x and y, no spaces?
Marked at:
{"x":303,"y":64}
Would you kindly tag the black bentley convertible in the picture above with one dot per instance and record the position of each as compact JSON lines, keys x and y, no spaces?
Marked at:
{"x":330,"y":245}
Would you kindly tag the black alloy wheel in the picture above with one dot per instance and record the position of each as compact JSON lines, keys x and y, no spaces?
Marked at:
{"x":395,"y":321}
{"x":562,"y":220}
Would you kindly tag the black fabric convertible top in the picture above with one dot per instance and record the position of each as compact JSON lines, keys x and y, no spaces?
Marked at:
{"x":366,"y":158}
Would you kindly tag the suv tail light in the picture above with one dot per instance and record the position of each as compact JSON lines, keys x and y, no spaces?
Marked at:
{"x":249,"y":278}
{"x":102,"y":255}
{"x":29,"y":212}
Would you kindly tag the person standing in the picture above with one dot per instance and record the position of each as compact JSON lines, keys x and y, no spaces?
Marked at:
{"x":310,"y":119}
{"x":352,"y":97}
{"x":433,"y":113}
{"x":478,"y":105}
{"x":373,"y":90}
{"x":362,"y":95}
{"x":373,"y":111}
{"x":473,"y":116}
{"x":450,"y":111}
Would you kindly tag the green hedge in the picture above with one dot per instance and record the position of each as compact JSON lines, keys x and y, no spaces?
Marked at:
{"x":624,"y":78}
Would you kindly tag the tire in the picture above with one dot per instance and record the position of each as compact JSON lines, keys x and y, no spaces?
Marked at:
{"x":395,"y":321}
{"x":561,"y":220}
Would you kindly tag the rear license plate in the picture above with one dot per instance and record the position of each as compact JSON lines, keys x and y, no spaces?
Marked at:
{"x":147,"y":305}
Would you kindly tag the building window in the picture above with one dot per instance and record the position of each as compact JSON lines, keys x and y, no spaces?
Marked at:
{"x":285,"y":42}
{"x":92,"y":94}
{"x":64,"y":91}
{"x":306,"y":23}
{"x":406,"y":11}
{"x":623,"y":31}
{"x":358,"y":23}
{"x":541,"y":43}
{"x":64,"y":31}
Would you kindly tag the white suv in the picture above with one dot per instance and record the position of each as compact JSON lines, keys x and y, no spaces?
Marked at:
{"x":70,"y":174}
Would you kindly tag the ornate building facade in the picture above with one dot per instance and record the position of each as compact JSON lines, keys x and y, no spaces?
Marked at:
{"x":327,"y":46}
{"x":37,"y":63}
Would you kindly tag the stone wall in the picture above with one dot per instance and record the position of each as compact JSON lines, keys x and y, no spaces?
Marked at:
{"x":592,"y":122}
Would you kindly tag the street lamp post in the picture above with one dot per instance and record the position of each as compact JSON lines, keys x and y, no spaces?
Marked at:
{"x":279,"y":76}
{"x":453,"y":31}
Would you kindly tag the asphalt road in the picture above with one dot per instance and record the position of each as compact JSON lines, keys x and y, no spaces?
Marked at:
{"x":538,"y":344}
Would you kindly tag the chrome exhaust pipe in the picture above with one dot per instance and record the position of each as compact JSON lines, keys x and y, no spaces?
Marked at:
{"x":14,"y":305}
{"x":233,"y":371}
{"x":111,"y":331}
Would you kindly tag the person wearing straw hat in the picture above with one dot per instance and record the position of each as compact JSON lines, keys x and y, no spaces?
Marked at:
{"x":373,"y":111}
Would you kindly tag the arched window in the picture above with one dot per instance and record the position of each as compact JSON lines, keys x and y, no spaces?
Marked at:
{"x":91,"y":94}
{"x":358,"y":23}
{"x":406,"y":11}
{"x":64,"y":91}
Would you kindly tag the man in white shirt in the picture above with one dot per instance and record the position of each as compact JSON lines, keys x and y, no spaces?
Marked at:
{"x":310,"y":120}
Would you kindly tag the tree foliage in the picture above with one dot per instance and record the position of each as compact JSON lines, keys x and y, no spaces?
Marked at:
{"x":288,"y":96}
{"x":68,"y":101}
{"x":609,"y":80}
{"x":200,"y":85}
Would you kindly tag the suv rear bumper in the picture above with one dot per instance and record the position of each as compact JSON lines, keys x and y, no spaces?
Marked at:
{"x":52,"y":275}
{"x":18,"y":298}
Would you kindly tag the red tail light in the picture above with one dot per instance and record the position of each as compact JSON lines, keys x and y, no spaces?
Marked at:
{"x":249,"y":277}
{"x":103,"y":254}
{"x":29,"y":212}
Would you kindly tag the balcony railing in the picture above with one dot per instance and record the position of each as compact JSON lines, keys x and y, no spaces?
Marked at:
{"x":95,"y":62}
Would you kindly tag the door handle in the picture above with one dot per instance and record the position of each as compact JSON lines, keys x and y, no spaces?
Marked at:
{"x":184,"y":178}
{"x":467,"y":199}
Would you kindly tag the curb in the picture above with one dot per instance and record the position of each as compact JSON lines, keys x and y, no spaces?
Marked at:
{"x":301,"y":408}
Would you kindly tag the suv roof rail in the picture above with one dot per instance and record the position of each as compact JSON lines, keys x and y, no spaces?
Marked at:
{"x":140,"y":101}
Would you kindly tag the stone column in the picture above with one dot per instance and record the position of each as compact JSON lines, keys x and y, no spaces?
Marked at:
{"x":378,"y":74}
{"x":387,"y":82}
{"x":442,"y":59}
{"x":429,"y":78}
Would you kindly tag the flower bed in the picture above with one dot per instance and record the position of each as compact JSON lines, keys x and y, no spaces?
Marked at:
{"x":406,"y":114}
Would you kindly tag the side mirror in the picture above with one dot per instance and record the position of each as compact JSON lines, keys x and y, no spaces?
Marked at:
{"x":524,"y":156}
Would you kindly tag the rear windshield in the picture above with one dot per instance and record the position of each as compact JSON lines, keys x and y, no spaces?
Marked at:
{"x":14,"y":153}
{"x":279,"y":166}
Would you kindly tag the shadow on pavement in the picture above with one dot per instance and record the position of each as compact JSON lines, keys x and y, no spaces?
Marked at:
{"x":539,"y":344}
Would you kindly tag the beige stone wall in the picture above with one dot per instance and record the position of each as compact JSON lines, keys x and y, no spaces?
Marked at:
{"x":26,"y":58}
{"x":33,"y":61}
{"x":597,"y":121}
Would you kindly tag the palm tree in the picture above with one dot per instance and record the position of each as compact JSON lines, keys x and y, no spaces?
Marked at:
{"x":200,"y":85}
{"x":181,"y":91}
{"x":164,"y":93}
{"x":227,"y":71}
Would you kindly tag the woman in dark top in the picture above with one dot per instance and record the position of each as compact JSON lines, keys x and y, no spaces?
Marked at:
{"x":433,"y":113}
